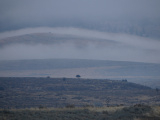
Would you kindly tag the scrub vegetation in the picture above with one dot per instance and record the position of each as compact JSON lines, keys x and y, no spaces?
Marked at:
{"x":47,"y":98}
{"x":27,"y":92}
{"x":136,"y":112}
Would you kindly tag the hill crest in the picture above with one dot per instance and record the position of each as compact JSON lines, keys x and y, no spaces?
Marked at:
{"x":32,"y":92}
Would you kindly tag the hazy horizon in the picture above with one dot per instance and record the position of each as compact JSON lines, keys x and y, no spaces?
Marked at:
{"x":92,"y":14}
{"x":130,"y":29}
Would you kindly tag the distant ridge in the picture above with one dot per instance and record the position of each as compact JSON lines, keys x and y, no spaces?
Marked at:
{"x":142,"y":73}
{"x":50,"y":38}
{"x":32,"y":64}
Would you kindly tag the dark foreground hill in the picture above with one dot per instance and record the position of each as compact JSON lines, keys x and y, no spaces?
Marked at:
{"x":30,"y":92}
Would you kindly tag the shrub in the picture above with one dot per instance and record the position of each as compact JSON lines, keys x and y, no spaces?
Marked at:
{"x":70,"y":106}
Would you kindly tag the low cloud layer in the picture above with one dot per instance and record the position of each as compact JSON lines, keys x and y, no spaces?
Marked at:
{"x":93,"y":14}
{"x":121,"y":47}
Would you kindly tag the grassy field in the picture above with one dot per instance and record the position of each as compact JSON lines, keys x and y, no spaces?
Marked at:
{"x":136,"y":112}
{"x":142,"y":73}
{"x":45,"y":98}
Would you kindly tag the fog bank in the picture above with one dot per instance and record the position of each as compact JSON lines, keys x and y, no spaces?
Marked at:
{"x":118,"y":46}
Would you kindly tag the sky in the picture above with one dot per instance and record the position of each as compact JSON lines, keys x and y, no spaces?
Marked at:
{"x":16,"y":14}
{"x":93,"y":19}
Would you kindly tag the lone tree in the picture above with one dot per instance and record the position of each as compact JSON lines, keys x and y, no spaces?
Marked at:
{"x":78,"y":76}
{"x":157,"y":90}
{"x":48,"y":77}
{"x":64,"y":79}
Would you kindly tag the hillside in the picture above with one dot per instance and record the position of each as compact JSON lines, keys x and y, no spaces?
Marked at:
{"x":59,"y":92}
{"x":143,"y":73}
{"x":52,"y":38}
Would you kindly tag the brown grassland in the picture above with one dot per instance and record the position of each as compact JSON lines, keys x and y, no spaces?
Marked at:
{"x":136,"y":112}
{"x":39,"y":98}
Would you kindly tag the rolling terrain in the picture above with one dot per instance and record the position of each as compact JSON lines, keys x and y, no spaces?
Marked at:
{"x":66,"y":52}
{"x":55,"y":39}
{"x":27,"y":92}
{"x":79,"y":60}
{"x":38,"y":77}
{"x":75,"y":43}
{"x":147,"y":74}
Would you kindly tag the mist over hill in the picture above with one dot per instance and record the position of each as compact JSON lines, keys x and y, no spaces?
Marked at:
{"x":136,"y":17}
{"x":74,"y":43}
{"x":130,"y":30}
{"x":95,"y":30}
{"x":66,"y":52}
{"x":112,"y":46}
